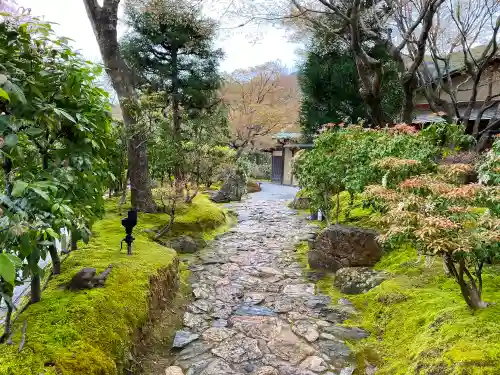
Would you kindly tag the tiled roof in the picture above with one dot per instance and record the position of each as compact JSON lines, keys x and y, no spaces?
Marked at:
{"x":456,"y":61}
{"x":287,"y":135}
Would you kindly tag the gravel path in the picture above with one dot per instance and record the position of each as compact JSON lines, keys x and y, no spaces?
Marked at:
{"x":253,"y":311}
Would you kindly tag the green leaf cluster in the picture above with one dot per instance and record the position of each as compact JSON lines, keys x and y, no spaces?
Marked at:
{"x":54,"y":137}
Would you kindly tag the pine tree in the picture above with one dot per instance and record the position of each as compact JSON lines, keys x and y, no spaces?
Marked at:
{"x":170,"y":47}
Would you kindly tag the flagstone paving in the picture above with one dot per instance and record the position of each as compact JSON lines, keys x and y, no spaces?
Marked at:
{"x":253,"y":311}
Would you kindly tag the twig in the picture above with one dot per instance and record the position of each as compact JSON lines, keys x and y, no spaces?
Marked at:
{"x":23,"y":338}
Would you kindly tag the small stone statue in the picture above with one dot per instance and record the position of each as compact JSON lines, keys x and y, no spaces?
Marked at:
{"x":87,"y":279}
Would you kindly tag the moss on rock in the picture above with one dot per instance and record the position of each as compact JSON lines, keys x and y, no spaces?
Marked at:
{"x":253,"y":186}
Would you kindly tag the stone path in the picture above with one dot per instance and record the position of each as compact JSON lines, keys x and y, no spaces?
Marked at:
{"x":253,"y":311}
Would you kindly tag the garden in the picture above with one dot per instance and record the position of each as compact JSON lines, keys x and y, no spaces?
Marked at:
{"x":435,"y":206}
{"x":77,"y":303}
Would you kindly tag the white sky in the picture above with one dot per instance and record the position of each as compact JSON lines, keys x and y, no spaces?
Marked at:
{"x":241,"y":52}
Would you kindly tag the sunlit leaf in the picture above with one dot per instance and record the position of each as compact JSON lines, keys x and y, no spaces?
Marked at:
{"x":4,"y":94}
{"x":52,"y":233}
{"x":7,"y":269}
{"x":41,"y":193}
{"x":19,"y":188}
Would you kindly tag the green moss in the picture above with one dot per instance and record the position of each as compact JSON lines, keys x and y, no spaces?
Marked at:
{"x":418,"y":321}
{"x":301,"y":250}
{"x":420,"y":324}
{"x":90,"y":332}
{"x":353,"y":213}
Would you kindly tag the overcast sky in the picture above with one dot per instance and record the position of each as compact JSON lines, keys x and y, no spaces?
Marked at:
{"x":241,"y":52}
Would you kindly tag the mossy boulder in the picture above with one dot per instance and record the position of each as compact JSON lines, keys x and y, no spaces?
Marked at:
{"x":233,"y":189}
{"x":357,"y":280}
{"x":302,"y":201}
{"x":186,"y":244}
{"x":339,"y":246}
{"x":253,"y":186}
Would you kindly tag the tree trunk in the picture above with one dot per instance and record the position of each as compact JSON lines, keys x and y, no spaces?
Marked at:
{"x":338,"y":209}
{"x":56,"y":260}
{"x":176,"y":111}
{"x":369,"y":69}
{"x":374,"y":107}
{"x":36,"y":290}
{"x":74,"y":240}
{"x":7,"y":325}
{"x":470,"y":292}
{"x":471,"y":295}
{"x":104,"y":23}
{"x":409,"y":86}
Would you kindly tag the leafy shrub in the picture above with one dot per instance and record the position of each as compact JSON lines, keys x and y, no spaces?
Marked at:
{"x":489,"y":169}
{"x":354,"y":157}
{"x":439,"y":219}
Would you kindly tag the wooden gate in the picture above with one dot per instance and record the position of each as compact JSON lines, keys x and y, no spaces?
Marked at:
{"x":277,"y":169}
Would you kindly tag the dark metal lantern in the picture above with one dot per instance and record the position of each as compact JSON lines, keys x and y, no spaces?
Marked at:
{"x":129,"y":223}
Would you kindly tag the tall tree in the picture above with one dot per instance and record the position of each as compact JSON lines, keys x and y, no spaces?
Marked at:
{"x":170,"y":46}
{"x":464,"y":41}
{"x":259,"y":103}
{"x":104,"y":19}
{"x":362,"y":24}
{"x":330,"y":92}
{"x":329,"y":84}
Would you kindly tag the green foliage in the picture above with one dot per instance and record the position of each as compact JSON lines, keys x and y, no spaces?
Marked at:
{"x":55,"y":132}
{"x":452,"y":136}
{"x":117,"y":157}
{"x":205,"y":147}
{"x":352,"y":158}
{"x":170,"y":46}
{"x":329,"y":83}
{"x":260,"y":164}
{"x":489,"y":169}
{"x":201,"y":148}
{"x":438,"y":219}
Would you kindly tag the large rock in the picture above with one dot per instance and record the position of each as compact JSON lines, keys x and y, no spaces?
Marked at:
{"x":301,"y":201}
{"x":253,"y":186}
{"x":338,"y":246}
{"x":234,"y":187}
{"x":186,"y":244}
{"x":357,"y":280}
{"x":182,"y":338}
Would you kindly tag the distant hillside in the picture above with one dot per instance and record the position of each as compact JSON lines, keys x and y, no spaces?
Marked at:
{"x":289,"y":114}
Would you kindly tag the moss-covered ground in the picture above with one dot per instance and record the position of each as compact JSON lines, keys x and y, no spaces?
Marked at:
{"x":418,"y":322}
{"x":91,"y":332}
